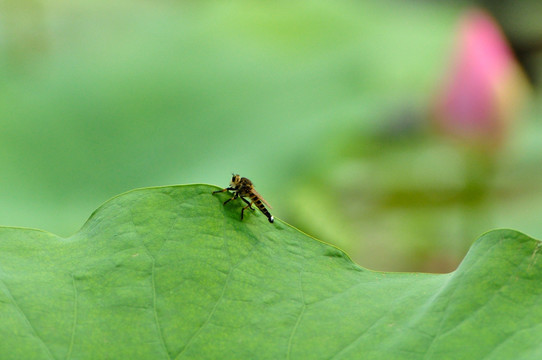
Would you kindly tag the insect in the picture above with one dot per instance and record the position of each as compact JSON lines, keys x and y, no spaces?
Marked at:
{"x":242,"y":187}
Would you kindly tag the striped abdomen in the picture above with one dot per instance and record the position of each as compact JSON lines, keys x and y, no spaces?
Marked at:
{"x":258,"y":202}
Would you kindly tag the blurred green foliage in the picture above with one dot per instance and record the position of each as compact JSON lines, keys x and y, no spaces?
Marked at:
{"x":319,"y":103}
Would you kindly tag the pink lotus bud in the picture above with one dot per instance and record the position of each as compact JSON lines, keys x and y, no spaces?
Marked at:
{"x":484,"y":85}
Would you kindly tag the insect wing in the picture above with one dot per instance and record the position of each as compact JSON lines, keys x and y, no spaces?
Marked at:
{"x":261,"y":198}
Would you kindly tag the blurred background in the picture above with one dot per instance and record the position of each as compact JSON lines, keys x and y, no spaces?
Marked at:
{"x":399,"y":131}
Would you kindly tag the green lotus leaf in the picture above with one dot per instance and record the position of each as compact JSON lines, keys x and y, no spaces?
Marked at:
{"x":171,"y":273}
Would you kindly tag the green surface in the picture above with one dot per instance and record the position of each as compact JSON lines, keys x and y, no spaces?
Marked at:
{"x":171,"y":273}
{"x":100,"y":97}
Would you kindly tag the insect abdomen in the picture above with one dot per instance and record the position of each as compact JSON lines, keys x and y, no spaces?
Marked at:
{"x":262,"y":207}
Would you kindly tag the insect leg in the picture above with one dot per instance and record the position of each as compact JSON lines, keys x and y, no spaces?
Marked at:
{"x":233,"y":198}
{"x":247,"y":202}
{"x":226,"y":189}
{"x":243,"y":209}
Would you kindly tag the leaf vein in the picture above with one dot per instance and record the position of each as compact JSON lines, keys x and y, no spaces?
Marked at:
{"x":153,"y":286}
{"x":72,"y":337}
{"x":299,"y":317}
{"x":26,"y":320}
{"x":208,"y":317}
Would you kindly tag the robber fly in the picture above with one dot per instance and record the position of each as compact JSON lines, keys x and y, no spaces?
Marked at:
{"x":243,"y":187}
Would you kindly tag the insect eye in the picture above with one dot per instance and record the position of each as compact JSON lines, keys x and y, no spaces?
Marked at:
{"x":233,"y":178}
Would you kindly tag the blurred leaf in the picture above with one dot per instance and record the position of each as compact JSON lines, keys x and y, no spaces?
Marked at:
{"x":128,"y":94}
{"x":171,"y":273}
